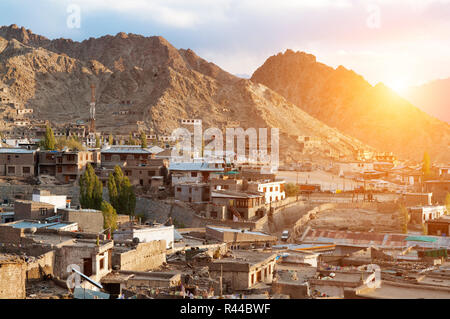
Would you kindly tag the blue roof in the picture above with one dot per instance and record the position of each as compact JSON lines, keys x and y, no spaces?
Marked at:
{"x":189,"y":166}
{"x":31,"y":224}
{"x":25,"y":224}
{"x":129,"y":149}
{"x":16,"y":150}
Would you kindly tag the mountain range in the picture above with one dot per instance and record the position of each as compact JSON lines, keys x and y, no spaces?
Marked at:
{"x":432,"y":97}
{"x":146,"y":82}
{"x":342,"y":99}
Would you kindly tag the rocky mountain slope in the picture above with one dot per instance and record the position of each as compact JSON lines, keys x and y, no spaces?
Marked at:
{"x":432,"y":97}
{"x":344,"y":100}
{"x":146,"y":79}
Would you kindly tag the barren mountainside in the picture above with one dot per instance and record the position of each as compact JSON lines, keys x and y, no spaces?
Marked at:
{"x":343,"y":99}
{"x":432,"y":97}
{"x":145,"y":79}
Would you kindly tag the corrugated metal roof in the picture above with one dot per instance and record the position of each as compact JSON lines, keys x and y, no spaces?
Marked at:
{"x":367,"y":239}
{"x":189,"y":166}
{"x":16,"y":150}
{"x":129,"y":149}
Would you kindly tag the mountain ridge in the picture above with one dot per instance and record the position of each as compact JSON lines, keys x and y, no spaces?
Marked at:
{"x":343,"y":99}
{"x":150,"y":81}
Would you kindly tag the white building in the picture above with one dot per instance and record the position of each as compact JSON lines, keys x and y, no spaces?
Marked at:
{"x":43,"y":196}
{"x":147,"y":234}
{"x":421,"y":214}
{"x":273,"y":191}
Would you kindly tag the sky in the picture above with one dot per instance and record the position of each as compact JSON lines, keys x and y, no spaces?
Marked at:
{"x":399,"y":42}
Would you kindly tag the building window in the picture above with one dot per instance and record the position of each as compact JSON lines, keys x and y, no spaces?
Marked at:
{"x":11,"y":170}
{"x":193,"y":174}
{"x":26,"y":170}
{"x":107,"y":157}
{"x":178,"y":189}
{"x":123,"y":157}
{"x":102,"y":263}
{"x":42,"y":211}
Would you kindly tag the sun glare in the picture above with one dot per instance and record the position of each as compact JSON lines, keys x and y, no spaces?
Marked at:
{"x":397,"y":85}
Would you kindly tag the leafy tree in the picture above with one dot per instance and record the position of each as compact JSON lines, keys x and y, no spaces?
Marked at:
{"x":143,"y":140}
{"x":131,"y":140}
{"x":121,"y":192}
{"x":109,"y":216}
{"x":71,"y":143}
{"x":49,"y":139}
{"x":404,"y":219}
{"x":291,"y":190}
{"x":97,"y":142}
{"x":91,"y":189}
{"x":447,"y":203}
{"x":111,"y":140}
{"x":426,"y":166}
{"x":112,"y":190}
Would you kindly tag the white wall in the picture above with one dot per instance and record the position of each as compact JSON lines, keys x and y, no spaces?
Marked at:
{"x":148,"y":234}
{"x":270,"y":196}
{"x":59,"y":201}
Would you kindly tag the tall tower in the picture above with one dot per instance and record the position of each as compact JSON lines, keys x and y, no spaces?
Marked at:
{"x":92,"y":110}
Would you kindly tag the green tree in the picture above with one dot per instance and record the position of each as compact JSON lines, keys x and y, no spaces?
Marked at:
{"x":91,"y":189}
{"x":404,"y":218}
{"x":112,"y":190}
{"x":291,"y":190}
{"x":143,"y":140}
{"x":426,"y":166}
{"x":131,"y":140}
{"x":71,"y":143}
{"x":447,"y":203}
{"x":49,"y":139}
{"x":111,"y":140}
{"x":109,"y":216}
{"x":97,"y":142}
{"x":121,"y":192}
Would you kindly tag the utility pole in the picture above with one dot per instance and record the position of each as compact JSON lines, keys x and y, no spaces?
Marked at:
{"x":221,"y":288}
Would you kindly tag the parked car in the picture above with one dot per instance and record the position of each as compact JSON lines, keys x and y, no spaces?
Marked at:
{"x":285,"y":235}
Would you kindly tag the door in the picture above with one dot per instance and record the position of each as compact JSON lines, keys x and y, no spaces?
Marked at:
{"x":87,"y":266}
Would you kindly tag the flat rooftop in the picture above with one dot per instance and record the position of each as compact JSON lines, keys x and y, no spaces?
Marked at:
{"x":232,"y":230}
{"x":389,"y":290}
{"x":4,"y":150}
{"x":246,"y":257}
{"x":24,"y":224}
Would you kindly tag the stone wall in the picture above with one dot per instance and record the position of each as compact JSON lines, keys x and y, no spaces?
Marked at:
{"x":144,"y":256}
{"x":293,"y":290}
{"x":12,"y":279}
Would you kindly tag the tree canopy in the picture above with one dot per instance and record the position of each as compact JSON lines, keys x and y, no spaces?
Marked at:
{"x":91,"y":189}
{"x":143,"y":140}
{"x":49,"y":139}
{"x":109,"y":216}
{"x":121,"y":192}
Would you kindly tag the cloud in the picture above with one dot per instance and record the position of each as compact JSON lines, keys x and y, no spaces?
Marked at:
{"x":239,"y":35}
